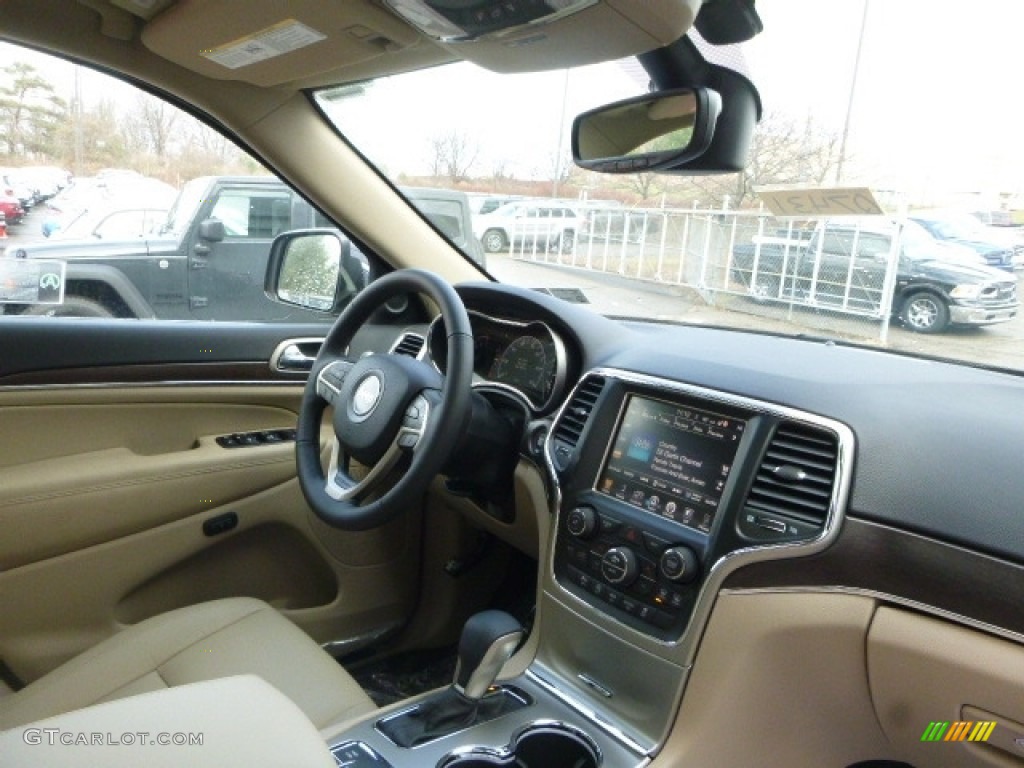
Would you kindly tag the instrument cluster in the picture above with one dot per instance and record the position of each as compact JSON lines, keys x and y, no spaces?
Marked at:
{"x":526,"y":358}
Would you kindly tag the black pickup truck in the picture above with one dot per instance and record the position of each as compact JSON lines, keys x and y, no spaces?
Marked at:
{"x":209,"y":259}
{"x":935,"y":285}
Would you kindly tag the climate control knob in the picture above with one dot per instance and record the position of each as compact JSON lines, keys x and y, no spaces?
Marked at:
{"x":618,"y":566}
{"x":679,"y":564}
{"x":581,"y":522}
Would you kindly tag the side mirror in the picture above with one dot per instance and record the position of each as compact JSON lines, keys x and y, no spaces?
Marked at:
{"x":313,"y":269}
{"x":653,"y":132}
{"x":211,"y":230}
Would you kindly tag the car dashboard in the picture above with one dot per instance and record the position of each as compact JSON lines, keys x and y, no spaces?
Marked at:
{"x":686,"y":466}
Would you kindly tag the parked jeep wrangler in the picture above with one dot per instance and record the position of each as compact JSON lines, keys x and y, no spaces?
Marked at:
{"x":209,"y":258}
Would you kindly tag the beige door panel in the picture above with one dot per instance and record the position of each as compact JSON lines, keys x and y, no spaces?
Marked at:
{"x":39,"y":424}
{"x":101,"y":521}
{"x":80,"y":466}
{"x":54,"y":609}
{"x":56,"y":506}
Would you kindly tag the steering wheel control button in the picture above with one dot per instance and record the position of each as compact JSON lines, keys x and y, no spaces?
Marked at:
{"x":618,"y":566}
{"x":415,"y":413}
{"x":330,"y":378}
{"x":581,"y":522}
{"x":678,"y":564}
{"x":408,"y":440}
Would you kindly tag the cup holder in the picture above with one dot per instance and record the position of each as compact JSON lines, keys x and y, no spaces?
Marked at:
{"x":539,"y":745}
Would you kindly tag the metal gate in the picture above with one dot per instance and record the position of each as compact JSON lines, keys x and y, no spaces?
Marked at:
{"x":837,"y":274}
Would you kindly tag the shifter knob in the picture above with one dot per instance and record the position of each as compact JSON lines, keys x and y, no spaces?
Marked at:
{"x":488,"y":640}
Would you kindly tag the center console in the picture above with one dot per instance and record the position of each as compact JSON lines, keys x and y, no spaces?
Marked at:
{"x":659,"y":491}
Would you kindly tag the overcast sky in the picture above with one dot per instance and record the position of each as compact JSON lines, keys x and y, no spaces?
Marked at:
{"x":922,"y":119}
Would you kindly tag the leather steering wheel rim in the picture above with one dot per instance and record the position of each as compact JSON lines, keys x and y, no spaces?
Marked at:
{"x":401,"y":386}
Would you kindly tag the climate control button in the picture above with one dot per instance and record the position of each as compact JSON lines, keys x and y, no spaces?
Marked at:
{"x":619,"y":567}
{"x":678,"y":564}
{"x":581,"y":522}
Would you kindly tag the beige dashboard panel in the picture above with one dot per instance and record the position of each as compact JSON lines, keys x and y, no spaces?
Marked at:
{"x":925,"y":670}
{"x":780,"y":679}
{"x":530,"y":522}
{"x":237,"y":720}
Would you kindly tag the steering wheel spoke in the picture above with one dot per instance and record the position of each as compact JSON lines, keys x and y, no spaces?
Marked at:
{"x":330,"y":378}
{"x":341,"y":486}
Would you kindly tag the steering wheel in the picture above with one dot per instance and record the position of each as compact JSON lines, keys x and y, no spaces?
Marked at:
{"x":386,"y":407}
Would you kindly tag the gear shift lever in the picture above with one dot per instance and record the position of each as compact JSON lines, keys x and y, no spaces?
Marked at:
{"x":488,"y":640}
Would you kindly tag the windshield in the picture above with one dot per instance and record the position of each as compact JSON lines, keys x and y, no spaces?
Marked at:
{"x":955,"y":227}
{"x":184,"y":209}
{"x":713,"y":249}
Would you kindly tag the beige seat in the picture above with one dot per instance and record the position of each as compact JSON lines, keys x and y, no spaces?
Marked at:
{"x":201,"y":642}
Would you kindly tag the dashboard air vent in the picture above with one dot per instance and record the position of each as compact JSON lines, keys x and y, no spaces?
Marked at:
{"x":574,"y":419}
{"x":796,"y":476}
{"x":411,"y":344}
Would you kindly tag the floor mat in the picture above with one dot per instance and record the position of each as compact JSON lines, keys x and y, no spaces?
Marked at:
{"x":408,"y":674}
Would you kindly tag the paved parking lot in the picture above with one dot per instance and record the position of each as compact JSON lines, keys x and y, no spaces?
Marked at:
{"x":999,"y":345}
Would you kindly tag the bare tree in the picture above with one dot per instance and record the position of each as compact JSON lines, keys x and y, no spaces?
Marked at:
{"x":784,"y":150}
{"x":154,"y":121}
{"x":647,"y":185}
{"x":453,"y":154}
{"x":499,"y":169}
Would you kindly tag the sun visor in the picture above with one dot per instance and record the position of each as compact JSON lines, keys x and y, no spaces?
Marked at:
{"x":268,"y":43}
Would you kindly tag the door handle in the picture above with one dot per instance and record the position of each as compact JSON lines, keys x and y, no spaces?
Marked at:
{"x":293,"y":359}
{"x":295,"y":355}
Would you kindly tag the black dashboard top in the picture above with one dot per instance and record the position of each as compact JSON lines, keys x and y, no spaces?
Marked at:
{"x":938,"y":445}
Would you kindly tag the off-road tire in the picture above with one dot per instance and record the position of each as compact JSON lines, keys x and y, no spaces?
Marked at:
{"x":73,"y":306}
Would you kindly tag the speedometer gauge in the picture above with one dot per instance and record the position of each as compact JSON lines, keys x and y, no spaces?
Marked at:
{"x":523,"y":358}
{"x":523,"y":364}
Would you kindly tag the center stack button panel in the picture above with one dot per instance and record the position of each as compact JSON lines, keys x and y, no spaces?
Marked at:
{"x":643,"y":573}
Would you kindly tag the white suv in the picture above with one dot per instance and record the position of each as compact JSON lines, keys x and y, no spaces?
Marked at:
{"x":550,"y":225}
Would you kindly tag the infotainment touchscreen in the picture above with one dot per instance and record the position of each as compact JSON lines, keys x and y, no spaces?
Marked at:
{"x":672,"y":460}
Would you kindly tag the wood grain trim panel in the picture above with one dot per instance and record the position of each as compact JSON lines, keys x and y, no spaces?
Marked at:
{"x":877,"y":558}
{"x":258,"y":371}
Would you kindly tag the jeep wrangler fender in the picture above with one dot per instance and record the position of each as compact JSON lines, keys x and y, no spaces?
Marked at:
{"x":114,"y":280}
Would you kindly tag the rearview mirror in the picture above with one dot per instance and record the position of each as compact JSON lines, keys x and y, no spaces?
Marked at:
{"x":313,"y":269}
{"x":656,"y":131}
